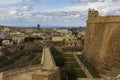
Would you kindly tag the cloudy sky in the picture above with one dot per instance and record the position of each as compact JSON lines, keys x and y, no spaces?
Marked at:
{"x":53,"y":12}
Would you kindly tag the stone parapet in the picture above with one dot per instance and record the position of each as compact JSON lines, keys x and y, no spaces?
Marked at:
{"x":1,"y":76}
{"x":47,"y":74}
{"x":104,"y":19}
{"x":20,"y":70}
{"x":43,"y":57}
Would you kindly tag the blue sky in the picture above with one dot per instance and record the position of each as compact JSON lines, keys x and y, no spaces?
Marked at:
{"x":53,"y":12}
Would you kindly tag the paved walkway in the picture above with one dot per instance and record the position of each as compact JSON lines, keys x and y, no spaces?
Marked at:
{"x":48,"y":60}
{"x":87,"y":73}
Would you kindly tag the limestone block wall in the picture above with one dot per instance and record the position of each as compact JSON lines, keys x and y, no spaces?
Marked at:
{"x":47,"y":74}
{"x":7,"y":74}
{"x":102,"y":44}
{"x":72,"y":43}
{"x":57,"y":38}
{"x":112,"y":58}
{"x":1,"y":76}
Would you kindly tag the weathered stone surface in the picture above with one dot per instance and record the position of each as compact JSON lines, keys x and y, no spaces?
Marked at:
{"x":102,"y":44}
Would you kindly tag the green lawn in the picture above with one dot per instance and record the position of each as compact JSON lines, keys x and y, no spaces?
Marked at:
{"x":73,"y":64}
{"x":67,"y":55}
{"x":80,"y":73}
{"x":70,"y":61}
{"x":89,"y":67}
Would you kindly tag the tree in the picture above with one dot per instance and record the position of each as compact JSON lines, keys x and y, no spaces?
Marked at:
{"x":59,"y":60}
{"x":29,"y":39}
{"x":58,"y":57}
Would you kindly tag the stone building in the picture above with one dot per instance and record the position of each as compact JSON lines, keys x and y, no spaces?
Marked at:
{"x":81,"y":33}
{"x":57,"y":38}
{"x":102,"y":44}
{"x":72,"y":41}
{"x":18,"y":39}
{"x":7,"y":42}
{"x":36,"y":35}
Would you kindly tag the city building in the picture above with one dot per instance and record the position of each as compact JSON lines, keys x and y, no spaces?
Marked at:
{"x":36,"y":35}
{"x":6,"y":42}
{"x":2,"y":36}
{"x":72,"y":41}
{"x":57,"y":38}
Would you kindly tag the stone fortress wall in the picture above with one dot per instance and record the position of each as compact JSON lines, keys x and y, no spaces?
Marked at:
{"x":102,"y":44}
{"x":35,"y":72}
{"x":7,"y":74}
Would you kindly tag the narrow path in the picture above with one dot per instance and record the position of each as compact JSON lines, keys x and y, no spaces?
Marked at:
{"x":85,"y":70}
{"x":48,"y":60}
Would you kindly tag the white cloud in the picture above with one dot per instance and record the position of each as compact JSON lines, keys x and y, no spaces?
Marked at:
{"x":12,"y":12}
{"x":5,"y":2}
{"x":95,"y":1}
{"x":113,"y":10}
{"x":69,"y":14}
{"x":31,"y":0}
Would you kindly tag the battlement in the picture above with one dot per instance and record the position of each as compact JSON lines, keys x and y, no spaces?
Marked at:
{"x":93,"y":17}
{"x":104,"y":19}
{"x":92,"y":13}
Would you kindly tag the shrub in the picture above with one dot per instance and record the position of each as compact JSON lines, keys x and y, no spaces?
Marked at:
{"x":1,"y":65}
{"x":7,"y":62}
{"x":69,"y":72}
{"x":59,"y":60}
{"x":31,"y":56}
{"x":58,"y":57}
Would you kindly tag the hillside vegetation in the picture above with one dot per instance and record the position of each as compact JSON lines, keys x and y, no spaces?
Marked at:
{"x":21,"y":58}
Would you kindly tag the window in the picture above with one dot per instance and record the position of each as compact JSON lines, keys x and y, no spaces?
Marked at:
{"x":75,"y":44}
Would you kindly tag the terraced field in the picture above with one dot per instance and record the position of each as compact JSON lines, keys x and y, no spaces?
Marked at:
{"x":70,"y":61}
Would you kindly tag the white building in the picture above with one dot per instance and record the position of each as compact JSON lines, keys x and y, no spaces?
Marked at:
{"x":2,"y":35}
{"x":36,"y":34}
{"x":7,"y":42}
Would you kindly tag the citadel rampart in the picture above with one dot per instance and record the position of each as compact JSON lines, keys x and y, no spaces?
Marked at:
{"x":102,"y":44}
{"x":7,"y":74}
{"x":36,"y":72}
